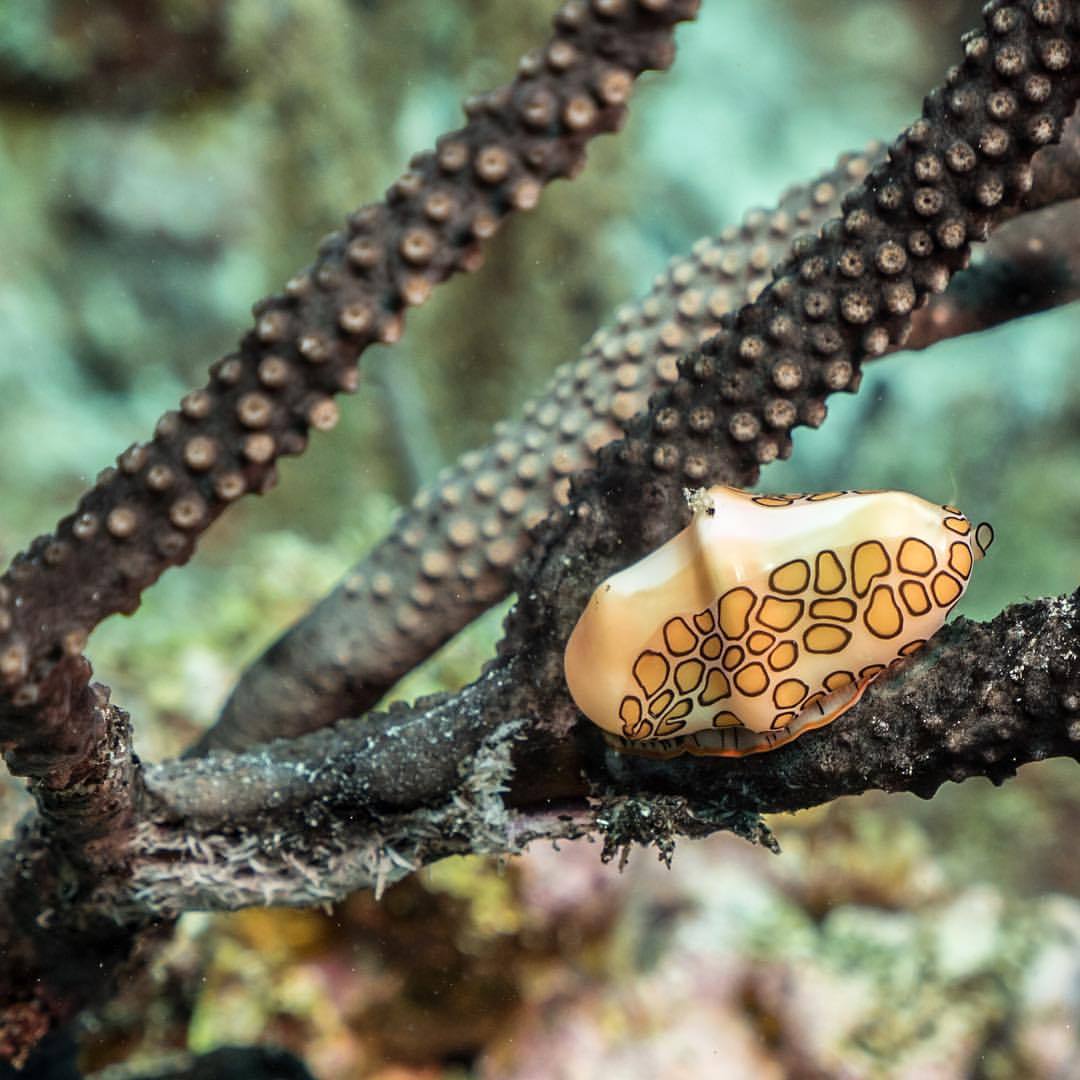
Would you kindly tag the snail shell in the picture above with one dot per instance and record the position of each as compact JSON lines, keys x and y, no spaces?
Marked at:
{"x":766,"y":617}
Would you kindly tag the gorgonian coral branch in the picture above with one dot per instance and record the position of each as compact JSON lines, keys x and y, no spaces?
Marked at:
{"x":451,"y":553}
{"x":364,"y":801}
{"x":54,"y":955}
{"x":843,"y":296}
{"x":146,"y":514}
{"x":850,"y":293}
{"x":362,"y":804}
{"x":1031,"y":265}
{"x":310,"y":819}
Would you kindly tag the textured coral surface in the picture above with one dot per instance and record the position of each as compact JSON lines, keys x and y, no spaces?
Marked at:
{"x":145,"y":514}
{"x":125,"y":282}
{"x":451,"y":552}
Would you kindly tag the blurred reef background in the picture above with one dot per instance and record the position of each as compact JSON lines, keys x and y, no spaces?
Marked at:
{"x":164,"y":163}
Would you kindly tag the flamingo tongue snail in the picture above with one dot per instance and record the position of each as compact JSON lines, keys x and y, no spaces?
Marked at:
{"x":766,"y":617}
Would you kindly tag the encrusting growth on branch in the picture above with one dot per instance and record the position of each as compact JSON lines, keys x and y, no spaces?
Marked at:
{"x":308,"y":820}
{"x":146,"y":514}
{"x":985,"y":699}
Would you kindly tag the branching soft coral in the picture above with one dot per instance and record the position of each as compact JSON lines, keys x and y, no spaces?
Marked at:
{"x":116,"y":845}
{"x":147,"y":513}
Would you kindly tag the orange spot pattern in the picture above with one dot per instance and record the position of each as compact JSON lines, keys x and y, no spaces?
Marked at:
{"x":749,"y":644}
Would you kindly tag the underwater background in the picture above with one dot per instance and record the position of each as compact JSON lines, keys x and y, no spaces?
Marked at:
{"x":163,"y":164}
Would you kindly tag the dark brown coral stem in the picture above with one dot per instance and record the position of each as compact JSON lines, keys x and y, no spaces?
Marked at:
{"x":848,"y":294}
{"x":1031,"y":265}
{"x":490,"y":769}
{"x":502,"y":762}
{"x":451,"y":553}
{"x":986,"y":699}
{"x":146,"y":514}
{"x":508,"y":758}
{"x":433,"y":573}
{"x":56,"y":955}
